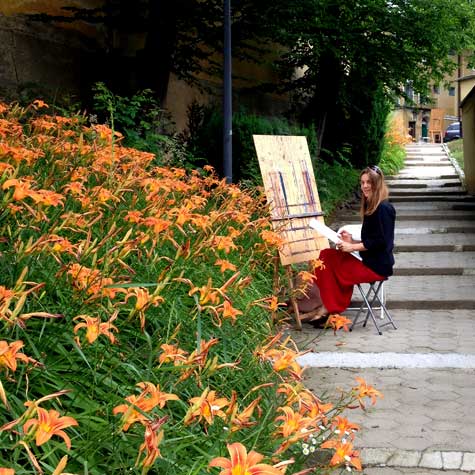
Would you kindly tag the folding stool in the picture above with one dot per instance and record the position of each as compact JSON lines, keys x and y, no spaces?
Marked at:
{"x":373,"y":297}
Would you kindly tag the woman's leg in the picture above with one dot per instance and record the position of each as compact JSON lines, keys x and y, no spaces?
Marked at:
{"x":311,"y":300}
{"x":340,"y":272}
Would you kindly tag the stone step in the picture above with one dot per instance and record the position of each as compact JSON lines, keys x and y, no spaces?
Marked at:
{"x":421,"y":183}
{"x":427,"y":172}
{"x":456,"y":190}
{"x":411,"y":214}
{"x":437,"y":263}
{"x":441,"y":197}
{"x":409,"y":177}
{"x":436,"y":206}
{"x":431,"y":292}
{"x":434,"y":243}
{"x":409,"y":226}
{"x":426,"y":163}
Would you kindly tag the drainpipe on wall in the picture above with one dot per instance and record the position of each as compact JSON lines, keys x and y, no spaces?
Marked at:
{"x":459,"y":92}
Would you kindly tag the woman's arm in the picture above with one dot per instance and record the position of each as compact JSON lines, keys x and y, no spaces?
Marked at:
{"x":350,"y":246}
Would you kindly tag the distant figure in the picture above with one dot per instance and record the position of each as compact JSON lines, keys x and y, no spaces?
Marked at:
{"x":341,"y":270}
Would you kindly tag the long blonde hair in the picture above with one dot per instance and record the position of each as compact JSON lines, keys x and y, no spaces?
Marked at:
{"x":379,"y":190}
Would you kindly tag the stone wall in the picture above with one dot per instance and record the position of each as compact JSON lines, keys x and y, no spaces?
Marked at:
{"x":43,"y":56}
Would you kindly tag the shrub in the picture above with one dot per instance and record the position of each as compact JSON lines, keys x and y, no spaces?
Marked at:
{"x":393,"y":152}
{"x":204,"y":139}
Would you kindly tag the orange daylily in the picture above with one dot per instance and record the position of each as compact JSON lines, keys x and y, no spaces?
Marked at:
{"x":207,"y":407}
{"x":207,"y":293}
{"x":39,"y":104}
{"x":229,"y":311}
{"x":318,"y":264}
{"x":344,"y":454}
{"x":224,"y":265}
{"x":22,"y":188}
{"x":47,"y":198}
{"x":272,"y":238}
{"x":9,"y":354}
{"x":240,"y":420}
{"x":152,"y":438}
{"x":91,"y":281}
{"x":95,"y":327}
{"x":337,"y":322}
{"x":242,"y":463}
{"x":270,"y":303}
{"x":224,"y":243}
{"x":294,"y":426}
{"x":344,"y":428}
{"x":157,"y":224}
{"x":133,"y":216}
{"x":148,"y":399}
{"x":7,"y":471}
{"x":172,"y":353}
{"x":284,"y":360}
{"x":47,"y":424}
{"x":74,"y":188}
{"x":143,"y":298}
{"x":365,"y":390}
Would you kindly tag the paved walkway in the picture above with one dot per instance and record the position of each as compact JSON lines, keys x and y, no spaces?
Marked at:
{"x":426,"y":368}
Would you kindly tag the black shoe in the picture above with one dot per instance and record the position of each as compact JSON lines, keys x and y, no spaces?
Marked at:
{"x":320,"y":323}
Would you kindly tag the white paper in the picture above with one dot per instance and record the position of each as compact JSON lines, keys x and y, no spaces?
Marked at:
{"x":324,"y":230}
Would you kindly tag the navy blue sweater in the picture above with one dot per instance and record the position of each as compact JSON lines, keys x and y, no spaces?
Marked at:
{"x":377,"y":235}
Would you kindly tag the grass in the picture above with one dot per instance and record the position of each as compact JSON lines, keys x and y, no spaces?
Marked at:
{"x":456,"y":150}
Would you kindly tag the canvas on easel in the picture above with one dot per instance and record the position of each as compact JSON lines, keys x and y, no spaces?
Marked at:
{"x":292,"y":194}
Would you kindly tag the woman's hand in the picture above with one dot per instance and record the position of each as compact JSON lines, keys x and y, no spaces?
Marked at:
{"x":346,"y":236}
{"x":345,"y":246}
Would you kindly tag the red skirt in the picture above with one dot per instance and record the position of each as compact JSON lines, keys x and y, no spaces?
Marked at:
{"x":336,"y":280}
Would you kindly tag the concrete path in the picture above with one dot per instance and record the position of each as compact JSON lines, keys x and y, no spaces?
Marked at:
{"x":426,"y":368}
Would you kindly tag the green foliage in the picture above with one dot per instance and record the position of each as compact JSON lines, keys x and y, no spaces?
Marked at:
{"x":336,"y":181}
{"x":204,"y":139}
{"x":141,"y":121}
{"x":392,"y":158}
{"x":105,"y":259}
{"x":456,"y":150}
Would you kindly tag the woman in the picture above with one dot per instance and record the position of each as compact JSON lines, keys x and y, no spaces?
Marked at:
{"x":341,"y":270}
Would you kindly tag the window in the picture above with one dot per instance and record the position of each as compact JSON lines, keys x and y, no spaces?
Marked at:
{"x":435,"y":90}
{"x":451,"y":91}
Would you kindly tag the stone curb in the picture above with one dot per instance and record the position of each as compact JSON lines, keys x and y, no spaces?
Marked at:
{"x":440,"y":460}
{"x":455,"y":164}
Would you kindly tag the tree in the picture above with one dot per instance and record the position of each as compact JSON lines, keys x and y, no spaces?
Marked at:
{"x":358,"y":54}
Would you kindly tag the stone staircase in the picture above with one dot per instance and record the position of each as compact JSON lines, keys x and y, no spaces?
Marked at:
{"x":426,"y":368}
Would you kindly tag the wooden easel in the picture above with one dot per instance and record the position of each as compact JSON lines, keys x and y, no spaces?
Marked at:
{"x":292,"y":195}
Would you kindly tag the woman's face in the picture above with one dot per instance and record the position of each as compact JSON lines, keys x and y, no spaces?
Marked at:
{"x":366,"y":187}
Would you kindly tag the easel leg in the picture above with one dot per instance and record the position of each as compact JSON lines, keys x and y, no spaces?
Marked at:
{"x":293,"y":301}
{"x":275,"y":284}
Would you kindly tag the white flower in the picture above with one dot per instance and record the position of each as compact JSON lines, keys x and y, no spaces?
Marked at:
{"x":305,"y":451}
{"x":347,"y":458}
{"x":312,"y":449}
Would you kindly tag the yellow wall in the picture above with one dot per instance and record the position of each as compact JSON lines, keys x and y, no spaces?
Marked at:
{"x":468,"y":114}
{"x":51,"y":7}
